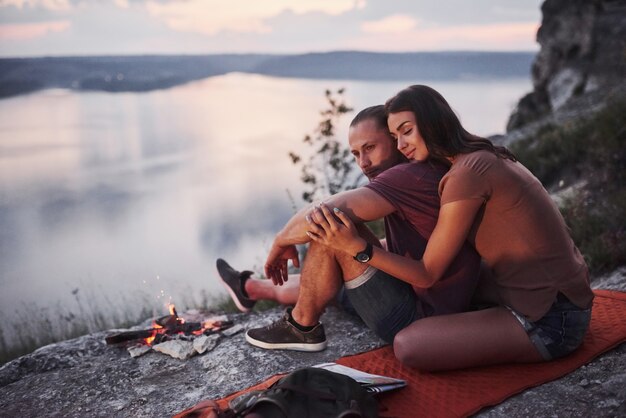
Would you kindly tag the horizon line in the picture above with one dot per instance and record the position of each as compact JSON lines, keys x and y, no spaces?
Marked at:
{"x":164,"y":54}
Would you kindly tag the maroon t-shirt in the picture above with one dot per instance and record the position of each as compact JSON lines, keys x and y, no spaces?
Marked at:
{"x":412,"y":189}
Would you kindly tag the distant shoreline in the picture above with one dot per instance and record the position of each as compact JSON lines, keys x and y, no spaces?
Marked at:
{"x":152,"y":72}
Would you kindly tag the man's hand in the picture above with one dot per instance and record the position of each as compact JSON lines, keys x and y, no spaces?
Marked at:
{"x":276,"y":264}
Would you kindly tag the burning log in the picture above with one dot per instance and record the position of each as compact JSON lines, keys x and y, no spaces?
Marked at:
{"x":168,"y":327}
{"x":123,"y":337}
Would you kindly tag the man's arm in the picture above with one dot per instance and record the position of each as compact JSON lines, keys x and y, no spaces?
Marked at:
{"x":360,"y":205}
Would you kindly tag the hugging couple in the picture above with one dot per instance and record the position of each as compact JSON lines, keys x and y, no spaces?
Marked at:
{"x":477,"y":267}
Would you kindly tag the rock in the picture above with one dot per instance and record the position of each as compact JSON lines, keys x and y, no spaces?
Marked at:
{"x":582,"y":44}
{"x":179,"y":349}
{"x":563,"y":85}
{"x":139,"y":350}
{"x":205,"y":343}
{"x":611,"y":281}
{"x":229,"y":332}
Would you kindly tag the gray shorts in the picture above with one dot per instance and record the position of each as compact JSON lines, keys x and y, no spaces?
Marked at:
{"x":384,"y":303}
{"x":560,"y":331}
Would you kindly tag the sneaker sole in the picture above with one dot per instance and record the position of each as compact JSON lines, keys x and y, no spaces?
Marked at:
{"x":233,"y":296}
{"x":287,"y":346}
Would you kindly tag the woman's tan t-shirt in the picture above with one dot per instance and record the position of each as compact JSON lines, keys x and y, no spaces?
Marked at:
{"x":520,"y":234}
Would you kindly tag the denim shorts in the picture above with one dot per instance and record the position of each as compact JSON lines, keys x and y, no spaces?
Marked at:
{"x":384,"y":303}
{"x":560,"y":331}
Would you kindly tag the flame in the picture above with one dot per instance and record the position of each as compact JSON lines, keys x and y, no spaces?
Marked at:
{"x":149,"y":340}
{"x":159,"y":329}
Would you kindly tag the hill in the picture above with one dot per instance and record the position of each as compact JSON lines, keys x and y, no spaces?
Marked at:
{"x":144,"y":73}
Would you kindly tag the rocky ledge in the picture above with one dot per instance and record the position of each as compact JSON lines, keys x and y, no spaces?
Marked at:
{"x":85,"y":377}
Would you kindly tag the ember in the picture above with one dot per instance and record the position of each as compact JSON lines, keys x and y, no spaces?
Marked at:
{"x":169,"y":327}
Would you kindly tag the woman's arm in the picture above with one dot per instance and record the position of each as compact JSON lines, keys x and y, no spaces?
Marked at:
{"x":453,"y":225}
{"x":361,"y":205}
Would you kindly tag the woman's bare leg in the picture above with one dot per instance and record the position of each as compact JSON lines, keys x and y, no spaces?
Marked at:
{"x":489,"y":336}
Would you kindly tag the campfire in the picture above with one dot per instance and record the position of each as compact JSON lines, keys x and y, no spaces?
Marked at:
{"x":173,"y":335}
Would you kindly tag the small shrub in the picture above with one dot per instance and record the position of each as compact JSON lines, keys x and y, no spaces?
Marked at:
{"x":329,"y":169}
{"x":598,"y":229}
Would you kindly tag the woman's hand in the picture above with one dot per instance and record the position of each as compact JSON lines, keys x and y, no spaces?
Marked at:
{"x":334,"y":230}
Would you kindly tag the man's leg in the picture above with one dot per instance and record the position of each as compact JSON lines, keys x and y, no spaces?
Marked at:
{"x":300,"y":329}
{"x":245,"y":290}
{"x":321,"y":279}
{"x":261,"y":289}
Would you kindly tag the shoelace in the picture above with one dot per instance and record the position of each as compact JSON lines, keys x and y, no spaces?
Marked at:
{"x":278,"y":324}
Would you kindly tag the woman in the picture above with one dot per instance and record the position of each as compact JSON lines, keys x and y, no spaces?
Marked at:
{"x":536,"y":281}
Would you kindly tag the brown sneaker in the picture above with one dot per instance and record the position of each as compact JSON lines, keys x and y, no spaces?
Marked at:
{"x":282,"y":334}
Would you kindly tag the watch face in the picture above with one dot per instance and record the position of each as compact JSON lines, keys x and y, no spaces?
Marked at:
{"x":362,"y":257}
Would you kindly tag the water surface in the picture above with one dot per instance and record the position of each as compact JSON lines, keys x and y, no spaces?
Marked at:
{"x":110,"y":199}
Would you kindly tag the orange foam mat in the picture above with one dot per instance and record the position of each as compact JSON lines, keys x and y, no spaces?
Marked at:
{"x":464,"y":392}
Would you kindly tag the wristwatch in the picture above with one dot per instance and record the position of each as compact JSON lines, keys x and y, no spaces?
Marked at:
{"x":365,"y":255}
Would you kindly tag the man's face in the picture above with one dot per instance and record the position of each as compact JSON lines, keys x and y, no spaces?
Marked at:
{"x":373,"y":148}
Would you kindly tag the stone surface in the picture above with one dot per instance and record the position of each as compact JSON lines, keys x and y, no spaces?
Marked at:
{"x":85,"y":377}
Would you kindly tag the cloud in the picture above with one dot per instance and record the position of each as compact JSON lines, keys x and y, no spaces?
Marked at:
{"x":390,"y":24}
{"x":499,"y":32}
{"x":25,"y":31}
{"x":382,"y":36}
{"x":57,"y":5}
{"x":266,"y":26}
{"x":209,"y":17}
{"x":122,"y":4}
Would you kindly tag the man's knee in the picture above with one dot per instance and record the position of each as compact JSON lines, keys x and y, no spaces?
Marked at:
{"x":319,"y":250}
{"x":350,"y":268}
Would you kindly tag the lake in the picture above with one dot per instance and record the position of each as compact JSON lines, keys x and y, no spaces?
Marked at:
{"x":107,"y":200}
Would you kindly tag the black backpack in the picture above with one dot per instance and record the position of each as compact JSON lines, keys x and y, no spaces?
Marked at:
{"x":309,"y":392}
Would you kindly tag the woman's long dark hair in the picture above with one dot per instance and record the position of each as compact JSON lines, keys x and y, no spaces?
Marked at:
{"x":439,"y":126}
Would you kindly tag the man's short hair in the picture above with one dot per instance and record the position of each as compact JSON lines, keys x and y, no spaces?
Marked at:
{"x":376,"y":113}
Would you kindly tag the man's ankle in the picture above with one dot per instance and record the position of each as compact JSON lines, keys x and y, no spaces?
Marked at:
{"x":244,"y":291}
{"x":295,"y":322}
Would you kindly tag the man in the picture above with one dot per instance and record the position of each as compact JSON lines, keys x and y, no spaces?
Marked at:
{"x":406,"y":196}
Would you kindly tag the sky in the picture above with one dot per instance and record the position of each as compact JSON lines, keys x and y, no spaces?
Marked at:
{"x":131,"y":27}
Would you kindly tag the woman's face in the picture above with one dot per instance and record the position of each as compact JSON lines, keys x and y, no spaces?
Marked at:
{"x":403,"y":127}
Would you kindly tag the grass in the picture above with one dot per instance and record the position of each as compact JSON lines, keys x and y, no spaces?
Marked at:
{"x":227,"y":305}
{"x":34,"y":326}
{"x":593,"y":149}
